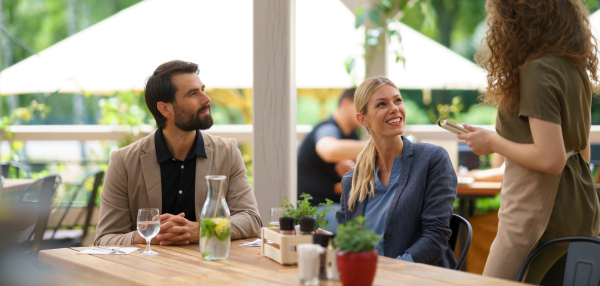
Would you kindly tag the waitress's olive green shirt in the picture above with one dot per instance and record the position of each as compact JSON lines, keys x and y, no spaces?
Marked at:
{"x":553,"y":90}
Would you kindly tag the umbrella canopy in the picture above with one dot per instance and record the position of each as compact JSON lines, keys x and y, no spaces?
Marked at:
{"x":120,"y":52}
{"x":430,"y":65}
{"x":595,"y":22}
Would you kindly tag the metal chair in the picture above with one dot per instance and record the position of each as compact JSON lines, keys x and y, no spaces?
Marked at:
{"x":20,"y":169}
{"x":455,"y":222}
{"x":38,"y":196}
{"x":98,"y":175}
{"x":583,"y":260}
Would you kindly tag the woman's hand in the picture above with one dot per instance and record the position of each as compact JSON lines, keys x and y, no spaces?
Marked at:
{"x":546,"y":153}
{"x":480,"y":140}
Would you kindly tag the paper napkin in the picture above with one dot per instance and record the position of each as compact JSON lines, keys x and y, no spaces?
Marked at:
{"x":95,"y":250}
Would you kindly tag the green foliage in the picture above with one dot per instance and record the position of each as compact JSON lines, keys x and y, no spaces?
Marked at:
{"x":353,"y":237}
{"x":206,"y":253}
{"x":480,"y":115}
{"x":125,"y":108}
{"x":305,"y":210}
{"x":414,"y":113}
{"x":207,"y":228}
{"x":448,"y":111}
{"x":361,"y":17}
{"x":349,"y":65}
{"x":488,"y":204}
{"x":22,"y":114}
{"x":381,"y":14}
{"x":225,"y":235}
{"x":219,"y":227}
{"x":307,"y":110}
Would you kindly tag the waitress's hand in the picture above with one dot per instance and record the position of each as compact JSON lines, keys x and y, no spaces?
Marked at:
{"x":480,"y":140}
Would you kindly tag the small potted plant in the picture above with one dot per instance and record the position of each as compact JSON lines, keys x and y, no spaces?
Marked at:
{"x":356,"y":258}
{"x":305,"y":210}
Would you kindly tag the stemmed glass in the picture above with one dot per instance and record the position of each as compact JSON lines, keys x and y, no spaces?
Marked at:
{"x":148,"y":225}
{"x":276,"y":213}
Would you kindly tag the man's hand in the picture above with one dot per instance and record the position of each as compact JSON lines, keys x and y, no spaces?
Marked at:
{"x":180,"y":232}
{"x":174,"y":230}
{"x":344,"y":166}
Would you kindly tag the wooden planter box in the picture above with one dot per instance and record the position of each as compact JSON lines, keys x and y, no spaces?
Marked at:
{"x":282,"y":248}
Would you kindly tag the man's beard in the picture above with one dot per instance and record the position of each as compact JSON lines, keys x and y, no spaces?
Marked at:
{"x":192,"y":121}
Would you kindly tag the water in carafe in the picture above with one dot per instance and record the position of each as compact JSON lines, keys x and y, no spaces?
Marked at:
{"x":215,"y":222}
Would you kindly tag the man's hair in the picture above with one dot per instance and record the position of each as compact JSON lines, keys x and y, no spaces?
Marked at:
{"x":160,"y":87}
{"x":347,"y":94}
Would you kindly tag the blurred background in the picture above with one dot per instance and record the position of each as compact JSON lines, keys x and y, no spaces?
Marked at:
{"x":73,"y":73}
{"x":29,"y":27}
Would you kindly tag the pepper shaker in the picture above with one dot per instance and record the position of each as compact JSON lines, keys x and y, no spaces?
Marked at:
{"x":322,"y":240}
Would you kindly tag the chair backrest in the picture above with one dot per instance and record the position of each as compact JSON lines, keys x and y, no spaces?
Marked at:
{"x":42,"y":189}
{"x":455,"y":222}
{"x":98,"y":175}
{"x":21,"y":171}
{"x":583,"y":260}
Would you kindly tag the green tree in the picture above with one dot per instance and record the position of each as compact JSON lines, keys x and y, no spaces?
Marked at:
{"x":456,"y":23}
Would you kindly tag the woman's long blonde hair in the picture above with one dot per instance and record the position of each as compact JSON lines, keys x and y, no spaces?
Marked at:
{"x":363,"y":178}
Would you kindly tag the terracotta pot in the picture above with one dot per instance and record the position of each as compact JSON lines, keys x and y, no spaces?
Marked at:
{"x":357,"y":268}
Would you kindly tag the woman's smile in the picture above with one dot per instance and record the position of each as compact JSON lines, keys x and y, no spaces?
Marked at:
{"x":394,"y":121}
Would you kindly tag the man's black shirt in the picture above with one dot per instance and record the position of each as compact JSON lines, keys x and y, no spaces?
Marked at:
{"x":315,"y":176}
{"x":178,"y":178}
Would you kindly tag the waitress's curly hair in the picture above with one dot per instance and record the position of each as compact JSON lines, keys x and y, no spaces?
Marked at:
{"x":521,"y":30}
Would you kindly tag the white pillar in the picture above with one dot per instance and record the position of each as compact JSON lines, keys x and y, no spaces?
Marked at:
{"x":274,"y":104}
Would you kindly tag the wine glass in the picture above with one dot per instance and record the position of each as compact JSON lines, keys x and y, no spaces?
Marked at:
{"x":148,"y":225}
{"x":276,"y":213}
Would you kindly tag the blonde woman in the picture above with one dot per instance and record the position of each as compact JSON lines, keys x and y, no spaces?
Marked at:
{"x":405,"y":190}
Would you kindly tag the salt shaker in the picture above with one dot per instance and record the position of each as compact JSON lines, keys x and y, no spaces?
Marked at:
{"x":308,"y":263}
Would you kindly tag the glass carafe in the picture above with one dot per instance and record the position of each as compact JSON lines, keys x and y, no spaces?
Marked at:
{"x":215,"y":222}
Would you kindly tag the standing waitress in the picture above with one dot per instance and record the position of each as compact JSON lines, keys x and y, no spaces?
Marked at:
{"x":541,"y":58}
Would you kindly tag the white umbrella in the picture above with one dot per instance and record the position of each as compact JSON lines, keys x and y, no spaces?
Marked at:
{"x":120,"y":52}
{"x":430,"y":65}
{"x":595,"y":23}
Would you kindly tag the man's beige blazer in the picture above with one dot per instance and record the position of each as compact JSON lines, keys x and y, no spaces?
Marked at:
{"x":133,"y":181}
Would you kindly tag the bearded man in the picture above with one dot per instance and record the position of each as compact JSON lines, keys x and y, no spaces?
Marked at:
{"x":166,"y":169}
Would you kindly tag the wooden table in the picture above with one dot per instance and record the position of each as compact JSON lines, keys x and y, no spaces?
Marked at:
{"x":245,"y":266}
{"x":469,"y":192}
{"x":490,"y":189}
